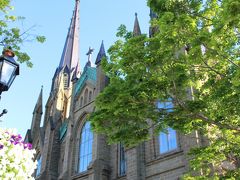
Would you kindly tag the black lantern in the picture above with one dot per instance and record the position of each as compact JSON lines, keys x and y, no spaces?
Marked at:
{"x":9,"y":69}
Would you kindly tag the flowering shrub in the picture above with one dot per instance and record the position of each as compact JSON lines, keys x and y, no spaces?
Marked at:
{"x":16,"y":157}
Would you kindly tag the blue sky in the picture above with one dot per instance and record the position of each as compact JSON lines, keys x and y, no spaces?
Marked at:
{"x":99,"y":21}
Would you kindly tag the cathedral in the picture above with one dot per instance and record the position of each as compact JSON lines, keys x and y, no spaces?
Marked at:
{"x":67,"y":148}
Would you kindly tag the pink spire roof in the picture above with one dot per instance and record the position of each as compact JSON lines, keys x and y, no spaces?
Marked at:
{"x":70,"y":54}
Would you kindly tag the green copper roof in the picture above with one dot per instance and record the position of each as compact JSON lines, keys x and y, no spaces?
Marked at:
{"x":89,"y":74}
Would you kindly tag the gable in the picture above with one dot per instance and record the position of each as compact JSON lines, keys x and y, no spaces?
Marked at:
{"x":85,"y":96}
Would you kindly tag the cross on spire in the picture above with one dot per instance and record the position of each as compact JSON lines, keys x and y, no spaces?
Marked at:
{"x":89,"y":54}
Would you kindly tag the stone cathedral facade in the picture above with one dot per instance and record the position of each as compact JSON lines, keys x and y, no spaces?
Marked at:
{"x":67,"y":149}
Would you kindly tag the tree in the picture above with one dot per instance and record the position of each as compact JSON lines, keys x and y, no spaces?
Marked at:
{"x":11,"y":36}
{"x":192,"y":60}
{"x":16,"y":157}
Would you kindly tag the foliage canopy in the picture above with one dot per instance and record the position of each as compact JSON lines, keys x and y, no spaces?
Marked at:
{"x":192,"y":59}
{"x":14,"y":37}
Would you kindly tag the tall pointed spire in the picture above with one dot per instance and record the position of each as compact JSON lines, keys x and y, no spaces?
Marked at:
{"x":101,"y":54}
{"x":136,"y":29}
{"x":70,"y":54}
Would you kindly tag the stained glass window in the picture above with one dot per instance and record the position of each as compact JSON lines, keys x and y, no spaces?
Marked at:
{"x":122,"y":160}
{"x":86,"y":142}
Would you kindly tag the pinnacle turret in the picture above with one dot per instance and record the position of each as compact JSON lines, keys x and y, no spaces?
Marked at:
{"x":38,"y":106}
{"x":37,"y":114}
{"x":101,"y":54}
{"x":136,"y":28}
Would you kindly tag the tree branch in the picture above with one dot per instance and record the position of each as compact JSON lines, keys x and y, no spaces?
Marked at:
{"x":222,"y":75}
{"x":220,"y":125}
{"x":225,"y":57}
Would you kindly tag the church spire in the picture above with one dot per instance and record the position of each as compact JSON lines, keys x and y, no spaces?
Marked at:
{"x":136,"y":29}
{"x":70,"y":54}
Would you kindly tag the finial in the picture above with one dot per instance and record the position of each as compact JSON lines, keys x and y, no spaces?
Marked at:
{"x":135,"y":14}
{"x":41,"y":87}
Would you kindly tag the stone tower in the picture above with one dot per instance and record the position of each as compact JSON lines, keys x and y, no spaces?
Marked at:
{"x":49,"y":156}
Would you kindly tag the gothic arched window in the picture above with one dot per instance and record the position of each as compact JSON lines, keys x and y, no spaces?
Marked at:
{"x":81,"y":101}
{"x":90,"y":96}
{"x":85,"y":96}
{"x":122,"y":160}
{"x":85,"y":150}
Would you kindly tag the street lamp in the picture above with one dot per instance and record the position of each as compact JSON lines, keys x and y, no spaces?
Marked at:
{"x":9,"y":69}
